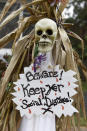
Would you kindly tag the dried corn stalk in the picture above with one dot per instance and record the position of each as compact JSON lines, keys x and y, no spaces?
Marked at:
{"x":9,"y":3}
{"x":63,"y":54}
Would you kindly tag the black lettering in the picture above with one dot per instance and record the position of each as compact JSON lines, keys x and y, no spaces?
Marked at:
{"x":37,"y":91}
{"x":29,"y":76}
{"x":55,"y":74}
{"x":25,"y":90}
{"x":47,"y":110}
{"x":45,"y":74}
{"x":31,"y":91}
{"x":24,"y":102}
{"x":50,"y":74}
{"x":54,"y":102}
{"x":61,"y":75}
{"x":42,"y":92}
{"x":53,"y":87}
{"x":38,"y":103}
{"x":47,"y":102}
{"x":49,"y":90}
{"x":59,"y":88}
{"x":36,"y":76}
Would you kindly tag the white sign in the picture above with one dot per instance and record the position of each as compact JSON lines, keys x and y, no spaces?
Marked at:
{"x":45,"y":93}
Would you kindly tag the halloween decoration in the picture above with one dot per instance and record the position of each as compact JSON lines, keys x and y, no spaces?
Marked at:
{"x":46,"y":46}
{"x":45,"y":93}
{"x":45,"y":34}
{"x":44,"y":90}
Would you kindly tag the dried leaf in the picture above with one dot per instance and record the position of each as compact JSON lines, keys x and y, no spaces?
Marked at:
{"x":71,"y":64}
{"x":32,"y":11}
{"x":61,"y":8}
{"x":68,"y":125}
{"x":16,"y":13}
{"x":79,"y":38}
{"x":67,"y":25}
{"x":81,"y":97}
{"x":80,"y":63}
{"x":17,"y":53}
{"x":21,"y":63}
{"x":6,"y":118}
{"x":5,"y":122}
{"x":12,"y":121}
{"x":68,"y":49}
{"x":11,"y":36}
{"x":8,"y":4}
{"x":28,"y":21}
{"x":73,"y":123}
{"x":6,"y":39}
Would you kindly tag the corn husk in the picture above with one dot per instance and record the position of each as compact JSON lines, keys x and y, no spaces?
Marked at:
{"x":16,"y":13}
{"x":17,"y":53}
{"x":8,"y":4}
{"x":6,"y":39}
{"x":79,"y":38}
{"x":63,"y":54}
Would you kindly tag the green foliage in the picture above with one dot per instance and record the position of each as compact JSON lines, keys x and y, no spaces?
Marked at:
{"x":80,"y":24}
{"x":36,"y":50}
{"x":83,"y":122}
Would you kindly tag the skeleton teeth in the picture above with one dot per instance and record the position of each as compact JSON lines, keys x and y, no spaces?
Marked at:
{"x":43,"y":44}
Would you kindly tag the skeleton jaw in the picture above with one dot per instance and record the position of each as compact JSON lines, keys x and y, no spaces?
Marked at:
{"x":45,"y":46}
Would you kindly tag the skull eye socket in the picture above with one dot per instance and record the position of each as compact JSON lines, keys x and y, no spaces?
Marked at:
{"x":49,"y":32}
{"x":39,"y":32}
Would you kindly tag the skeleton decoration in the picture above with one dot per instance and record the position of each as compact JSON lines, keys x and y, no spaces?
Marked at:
{"x":42,"y":92}
{"x":45,"y":34}
{"x":63,"y":54}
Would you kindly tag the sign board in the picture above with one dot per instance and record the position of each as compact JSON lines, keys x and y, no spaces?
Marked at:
{"x":45,"y":92}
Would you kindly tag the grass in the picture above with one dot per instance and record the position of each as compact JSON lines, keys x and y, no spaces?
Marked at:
{"x":83,"y":122}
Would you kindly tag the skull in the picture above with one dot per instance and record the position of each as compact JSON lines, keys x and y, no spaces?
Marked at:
{"x":45,"y":34}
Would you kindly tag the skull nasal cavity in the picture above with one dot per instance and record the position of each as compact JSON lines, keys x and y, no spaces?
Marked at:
{"x":44,"y":36}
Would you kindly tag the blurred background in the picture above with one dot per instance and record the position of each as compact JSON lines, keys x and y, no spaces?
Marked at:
{"x":76,"y":13}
